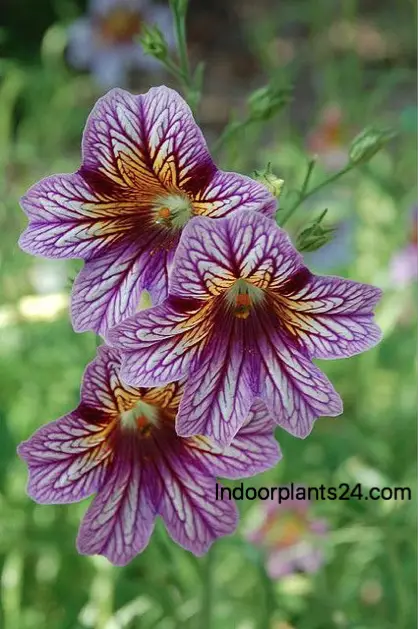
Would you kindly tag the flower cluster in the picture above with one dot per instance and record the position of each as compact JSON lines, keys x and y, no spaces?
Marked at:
{"x":191,"y":388}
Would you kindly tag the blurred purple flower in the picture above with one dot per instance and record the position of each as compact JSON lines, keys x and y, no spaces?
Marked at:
{"x":290,"y":537}
{"x":106,"y":40}
{"x":404,"y":264}
{"x":121,"y":443}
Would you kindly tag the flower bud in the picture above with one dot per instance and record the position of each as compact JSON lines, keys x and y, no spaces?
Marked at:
{"x":314,"y":236}
{"x":270,"y":181}
{"x":153,"y":42}
{"x":367,"y":143}
{"x":266,"y":101}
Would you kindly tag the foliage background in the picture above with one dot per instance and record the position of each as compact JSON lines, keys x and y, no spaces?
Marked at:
{"x":359,"y":55}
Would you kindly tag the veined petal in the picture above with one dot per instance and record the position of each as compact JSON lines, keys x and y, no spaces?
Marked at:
{"x":217,"y":396}
{"x":192,"y":515}
{"x":229,"y":191}
{"x":150,"y":138}
{"x":293,"y":388}
{"x":247,"y":245}
{"x":102,"y":388}
{"x":71,"y":218}
{"x":158,"y":344}
{"x":331,"y":317}
{"x":119,"y":522}
{"x":108,"y":288}
{"x":67,"y":459}
{"x":254,"y":448}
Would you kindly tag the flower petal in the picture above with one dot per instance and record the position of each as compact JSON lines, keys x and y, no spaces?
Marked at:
{"x":70,"y":218}
{"x":102,"y":388}
{"x":119,"y":522}
{"x":228,"y":191}
{"x":217,"y":396}
{"x":247,"y":245}
{"x":149,"y":139}
{"x":67,"y":459}
{"x":331,"y":317}
{"x":294,"y":389}
{"x":108,"y":289}
{"x":158,"y":344}
{"x":254,"y":448}
{"x":193,"y":516}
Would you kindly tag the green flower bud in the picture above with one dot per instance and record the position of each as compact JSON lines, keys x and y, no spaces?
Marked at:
{"x":270,"y":181}
{"x":266,"y":101}
{"x":315,"y":235}
{"x":153,"y":42}
{"x":367,"y":143}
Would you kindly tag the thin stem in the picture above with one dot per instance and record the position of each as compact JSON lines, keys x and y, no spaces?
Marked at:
{"x":305,"y":195}
{"x":269,"y":598}
{"x":182,"y":71}
{"x":207,"y":590}
{"x":229,"y":131}
{"x":180,"y":26}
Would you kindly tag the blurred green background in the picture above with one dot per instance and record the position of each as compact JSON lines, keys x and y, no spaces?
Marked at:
{"x":351,"y":64}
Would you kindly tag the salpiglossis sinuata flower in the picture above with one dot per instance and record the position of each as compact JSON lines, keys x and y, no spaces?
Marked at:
{"x":145,"y":173}
{"x":121,"y":444}
{"x":243,"y":320}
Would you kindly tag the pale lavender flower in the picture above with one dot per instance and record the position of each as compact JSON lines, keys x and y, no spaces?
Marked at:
{"x":106,"y":40}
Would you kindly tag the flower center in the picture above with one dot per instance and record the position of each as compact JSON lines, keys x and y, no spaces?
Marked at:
{"x":172,"y":210}
{"x":119,"y":26}
{"x":286,"y":531}
{"x":141,"y":417}
{"x":242,"y":296}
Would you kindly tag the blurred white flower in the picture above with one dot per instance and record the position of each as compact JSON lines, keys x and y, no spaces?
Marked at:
{"x":106,"y":40}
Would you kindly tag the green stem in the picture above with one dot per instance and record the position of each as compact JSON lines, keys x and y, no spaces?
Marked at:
{"x":180,"y":27}
{"x":303,"y":195}
{"x":229,"y":131}
{"x":269,"y":599}
{"x":207,"y":590}
{"x":182,"y":71}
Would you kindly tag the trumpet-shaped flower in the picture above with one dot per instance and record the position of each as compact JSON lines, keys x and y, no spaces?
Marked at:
{"x":121,"y":444}
{"x":243,"y":320}
{"x":146,"y":172}
{"x":106,"y":40}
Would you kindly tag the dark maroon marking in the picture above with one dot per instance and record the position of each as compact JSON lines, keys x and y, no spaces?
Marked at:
{"x":296,"y":282}
{"x":184,"y":305}
{"x":200,"y":177}
{"x":100,"y":183}
{"x":92,"y":415}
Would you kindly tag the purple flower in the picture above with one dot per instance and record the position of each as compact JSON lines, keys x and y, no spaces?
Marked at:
{"x":244,"y":319}
{"x":121,"y":443}
{"x":290,"y":537}
{"x":146,"y":171}
{"x":107,"y":40}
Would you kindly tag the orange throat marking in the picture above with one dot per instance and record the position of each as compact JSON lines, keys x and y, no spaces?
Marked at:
{"x":242,"y":306}
{"x":120,"y":26}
